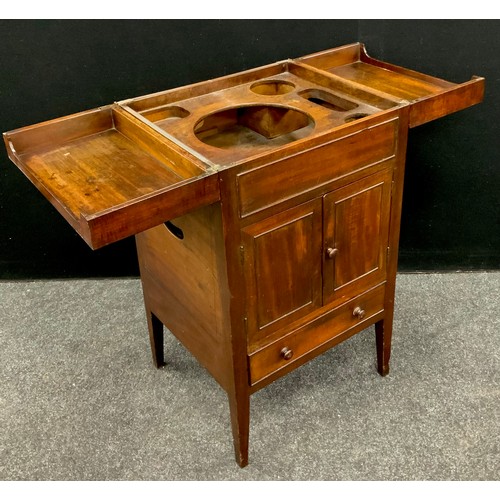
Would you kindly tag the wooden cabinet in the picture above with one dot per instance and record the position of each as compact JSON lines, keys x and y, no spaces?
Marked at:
{"x":266,"y":205}
{"x":319,"y":252}
{"x":303,"y":266}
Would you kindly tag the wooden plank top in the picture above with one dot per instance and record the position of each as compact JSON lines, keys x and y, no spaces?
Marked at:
{"x":402,"y":86}
{"x":234,"y":124}
{"x":120,"y":169}
{"x":92,"y":172}
{"x":429,"y":97}
{"x":97,"y":172}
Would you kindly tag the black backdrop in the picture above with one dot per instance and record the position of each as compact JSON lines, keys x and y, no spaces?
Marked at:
{"x":52,"y":68}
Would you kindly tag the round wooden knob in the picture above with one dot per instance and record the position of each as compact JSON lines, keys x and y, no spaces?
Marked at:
{"x":331,"y":252}
{"x":359,"y":313}
{"x":286,"y":353}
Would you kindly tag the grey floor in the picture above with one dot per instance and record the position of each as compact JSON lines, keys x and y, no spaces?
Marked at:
{"x":80,"y":399}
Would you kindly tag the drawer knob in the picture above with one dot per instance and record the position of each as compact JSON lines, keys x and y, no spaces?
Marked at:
{"x":359,"y":313}
{"x":331,"y":252}
{"x":286,"y":353}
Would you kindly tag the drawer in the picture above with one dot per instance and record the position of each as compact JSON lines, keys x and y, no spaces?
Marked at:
{"x":298,"y":346}
{"x":275,"y":182}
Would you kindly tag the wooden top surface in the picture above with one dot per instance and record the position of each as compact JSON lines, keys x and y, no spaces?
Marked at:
{"x":399,"y":85}
{"x":225,"y":139}
{"x":121,"y":169}
{"x":106,"y":176}
{"x":97,"y":172}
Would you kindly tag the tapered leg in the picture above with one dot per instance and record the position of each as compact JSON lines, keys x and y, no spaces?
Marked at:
{"x":383,"y":335}
{"x":155,"y":327}
{"x":239,"y":405}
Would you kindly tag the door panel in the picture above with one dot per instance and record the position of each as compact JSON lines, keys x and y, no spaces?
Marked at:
{"x":282,"y":260}
{"x":356,"y":231}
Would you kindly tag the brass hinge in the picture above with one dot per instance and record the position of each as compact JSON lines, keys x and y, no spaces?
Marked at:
{"x":242,"y":254}
{"x":388,"y":252}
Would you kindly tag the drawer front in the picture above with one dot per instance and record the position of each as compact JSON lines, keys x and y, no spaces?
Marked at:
{"x":293,"y":348}
{"x":270,"y":184}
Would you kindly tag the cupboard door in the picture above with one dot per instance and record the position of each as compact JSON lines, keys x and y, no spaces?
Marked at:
{"x":356,"y":235}
{"x":282,"y":261}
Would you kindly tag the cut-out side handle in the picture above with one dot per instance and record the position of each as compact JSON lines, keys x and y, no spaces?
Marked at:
{"x":174,"y":230}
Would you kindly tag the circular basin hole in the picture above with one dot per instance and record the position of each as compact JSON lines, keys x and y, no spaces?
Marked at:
{"x":253,"y":125}
{"x":355,"y":116}
{"x":272,"y":87}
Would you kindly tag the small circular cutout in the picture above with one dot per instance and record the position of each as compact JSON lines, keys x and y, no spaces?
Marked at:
{"x":355,"y":116}
{"x":272,"y":87}
{"x":255,"y":125}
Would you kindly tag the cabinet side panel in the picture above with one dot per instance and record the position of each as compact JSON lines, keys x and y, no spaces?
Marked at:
{"x":183,"y":282}
{"x":395,"y":215}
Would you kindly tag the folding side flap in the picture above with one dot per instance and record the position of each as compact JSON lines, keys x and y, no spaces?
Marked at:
{"x":108,"y":174}
{"x":448,"y":101}
{"x":433,"y":97}
{"x":428,"y":96}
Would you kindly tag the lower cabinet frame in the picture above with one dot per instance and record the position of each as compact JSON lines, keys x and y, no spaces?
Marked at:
{"x":195,"y":282}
